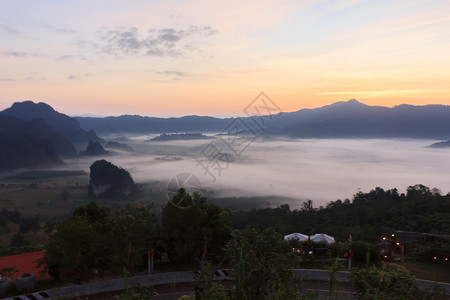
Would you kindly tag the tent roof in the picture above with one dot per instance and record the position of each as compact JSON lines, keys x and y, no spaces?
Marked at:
{"x":296,"y":236}
{"x":322,"y":237}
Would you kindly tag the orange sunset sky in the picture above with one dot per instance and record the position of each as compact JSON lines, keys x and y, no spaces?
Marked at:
{"x":173,"y":58}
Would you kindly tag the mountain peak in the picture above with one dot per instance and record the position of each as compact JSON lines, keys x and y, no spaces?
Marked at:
{"x":67,"y":126}
{"x":354,"y":101}
{"x":28,"y":105}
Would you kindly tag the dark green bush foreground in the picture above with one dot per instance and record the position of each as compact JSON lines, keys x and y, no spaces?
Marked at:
{"x":384,"y":283}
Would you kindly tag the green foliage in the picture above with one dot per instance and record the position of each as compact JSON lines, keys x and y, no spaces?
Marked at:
{"x":381,"y":283}
{"x":186,"y":226}
{"x":25,"y":224}
{"x":95,"y":240}
{"x":134,"y":233}
{"x":138,"y":292}
{"x":7,"y":271}
{"x":207,"y":288}
{"x":5,"y":251}
{"x":361,"y":249}
{"x":367,"y":217}
{"x":18,"y":240}
{"x":263,"y":263}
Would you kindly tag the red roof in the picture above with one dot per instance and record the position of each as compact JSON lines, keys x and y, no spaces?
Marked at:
{"x":24,"y":263}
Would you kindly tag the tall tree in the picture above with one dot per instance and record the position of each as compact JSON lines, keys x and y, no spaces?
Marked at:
{"x":185,"y":226}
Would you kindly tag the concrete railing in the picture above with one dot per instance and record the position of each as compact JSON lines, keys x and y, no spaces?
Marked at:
{"x":185,"y":277}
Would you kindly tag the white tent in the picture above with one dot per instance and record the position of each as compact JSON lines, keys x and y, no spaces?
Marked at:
{"x":322,"y":237}
{"x":296,"y":236}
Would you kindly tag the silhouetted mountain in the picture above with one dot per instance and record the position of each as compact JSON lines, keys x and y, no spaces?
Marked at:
{"x":139,"y":124}
{"x":67,"y":126}
{"x":444,"y":144}
{"x":355,"y":119}
{"x":119,"y":146}
{"x":93,"y":149}
{"x":339,"y":120}
{"x":108,"y":180}
{"x":30,"y":143}
{"x":181,"y":136}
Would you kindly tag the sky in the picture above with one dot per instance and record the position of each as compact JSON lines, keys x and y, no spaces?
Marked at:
{"x":174,"y":58}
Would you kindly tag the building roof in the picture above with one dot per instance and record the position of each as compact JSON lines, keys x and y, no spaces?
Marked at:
{"x":24,"y":263}
{"x":408,"y":236}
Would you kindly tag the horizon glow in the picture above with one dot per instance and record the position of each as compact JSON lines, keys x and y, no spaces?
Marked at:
{"x":174,"y":58}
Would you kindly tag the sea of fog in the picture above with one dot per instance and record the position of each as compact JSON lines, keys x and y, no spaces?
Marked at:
{"x":322,"y":170}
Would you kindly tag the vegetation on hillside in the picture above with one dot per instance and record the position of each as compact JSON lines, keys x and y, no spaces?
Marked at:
{"x":366,"y":217}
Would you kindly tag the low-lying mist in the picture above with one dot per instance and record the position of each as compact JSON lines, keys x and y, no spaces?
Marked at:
{"x":322,"y":170}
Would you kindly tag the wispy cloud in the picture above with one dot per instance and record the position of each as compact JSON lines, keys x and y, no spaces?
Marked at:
{"x":69,"y":57}
{"x":58,"y":29}
{"x":172,"y":73}
{"x":76,"y":76}
{"x":7,"y":79}
{"x":154,"y":42}
{"x":15,"y":53}
{"x":9,"y":29}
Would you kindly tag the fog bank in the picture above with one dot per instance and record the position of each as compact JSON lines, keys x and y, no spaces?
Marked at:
{"x":322,"y":170}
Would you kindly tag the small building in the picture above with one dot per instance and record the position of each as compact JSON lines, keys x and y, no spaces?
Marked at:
{"x":25,"y":263}
{"x":394,"y":246}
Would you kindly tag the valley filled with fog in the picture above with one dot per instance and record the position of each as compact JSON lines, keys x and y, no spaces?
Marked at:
{"x":322,"y":170}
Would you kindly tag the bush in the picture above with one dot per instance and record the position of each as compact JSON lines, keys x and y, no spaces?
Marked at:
{"x":360,"y":249}
{"x":383,"y":283}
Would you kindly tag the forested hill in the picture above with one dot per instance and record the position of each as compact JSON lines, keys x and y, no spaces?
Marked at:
{"x":366,"y":217}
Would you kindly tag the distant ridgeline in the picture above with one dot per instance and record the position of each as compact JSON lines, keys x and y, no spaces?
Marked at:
{"x":181,"y":136}
{"x":444,"y":144}
{"x":350,"y":119}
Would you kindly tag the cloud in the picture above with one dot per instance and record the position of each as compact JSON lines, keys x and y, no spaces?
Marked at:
{"x":172,"y":73}
{"x":58,"y":29}
{"x":64,"y":57}
{"x":153,"y":42}
{"x":73,"y":76}
{"x":15,"y":53}
{"x":7,"y":79}
{"x":9,"y":29}
{"x":70,"y":57}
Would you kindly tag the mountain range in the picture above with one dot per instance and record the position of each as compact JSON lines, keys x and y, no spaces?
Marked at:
{"x":350,"y":119}
{"x":32,"y":134}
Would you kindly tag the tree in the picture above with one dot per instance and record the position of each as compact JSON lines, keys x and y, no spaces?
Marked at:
{"x":263,"y":262}
{"x":96,"y":239}
{"x":73,"y":250}
{"x":185,"y":226}
{"x":134,"y":233}
{"x":307,"y":205}
{"x":417,"y":191}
